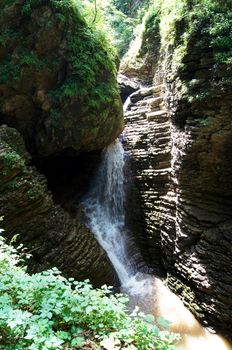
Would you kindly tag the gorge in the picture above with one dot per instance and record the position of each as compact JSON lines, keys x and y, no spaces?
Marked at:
{"x":124,"y":200}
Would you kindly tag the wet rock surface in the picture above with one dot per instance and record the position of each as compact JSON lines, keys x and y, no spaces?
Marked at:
{"x":147,"y":138}
{"x":127,"y":86}
{"x":182,"y":163}
{"x":51,"y":234}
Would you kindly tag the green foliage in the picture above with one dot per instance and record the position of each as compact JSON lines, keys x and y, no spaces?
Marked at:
{"x":12,"y":64}
{"x":113,"y":21}
{"x":9,"y":71}
{"x":11,"y":185}
{"x":123,"y":27}
{"x":205,"y":21}
{"x":97,"y":19}
{"x":81,"y":79}
{"x":124,"y":17}
{"x":130,"y":7}
{"x":151,"y":32}
{"x":46,"y":311}
{"x":174,"y":29}
{"x":90,"y":55}
{"x":28,"y":5}
{"x":7,"y":2}
{"x":8,"y":35}
{"x":88,"y":60}
{"x":29,"y":58}
{"x":13,"y":160}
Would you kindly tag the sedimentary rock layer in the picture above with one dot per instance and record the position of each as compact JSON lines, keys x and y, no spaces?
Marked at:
{"x":147,"y":137}
{"x":50,"y":234}
{"x":181,"y":160}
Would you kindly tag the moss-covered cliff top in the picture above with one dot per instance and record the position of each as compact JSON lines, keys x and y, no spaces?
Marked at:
{"x":57,"y":80}
{"x":172,"y":29}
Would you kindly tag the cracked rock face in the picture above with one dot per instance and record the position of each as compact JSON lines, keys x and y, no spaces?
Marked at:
{"x":196,"y":236}
{"x":51,"y":234}
{"x":182,"y":163}
{"x":179,"y":135}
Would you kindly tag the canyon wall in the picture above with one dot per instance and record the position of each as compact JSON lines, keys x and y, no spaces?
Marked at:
{"x":59,"y":100}
{"x":179,"y":132}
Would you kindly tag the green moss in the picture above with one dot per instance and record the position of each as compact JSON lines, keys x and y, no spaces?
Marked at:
{"x":29,"y":58}
{"x":8,"y":35}
{"x":63,"y":5}
{"x":60,"y":16}
{"x":7,"y":2}
{"x":11,"y":186}
{"x":9,"y":71}
{"x":88,"y":61}
{"x":67,"y":60}
{"x":12,"y":64}
{"x":151,"y":32}
{"x":86,"y":57}
{"x":206,"y":22}
{"x":12,"y":160}
{"x":35,"y":190}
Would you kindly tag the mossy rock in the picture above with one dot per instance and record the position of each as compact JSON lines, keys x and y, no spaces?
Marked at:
{"x":57,"y":82}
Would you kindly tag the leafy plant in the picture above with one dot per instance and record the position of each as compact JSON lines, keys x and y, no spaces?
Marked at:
{"x":13,"y":160}
{"x":8,"y":70}
{"x":29,"y":58}
{"x":46,"y":311}
{"x":8,"y":34}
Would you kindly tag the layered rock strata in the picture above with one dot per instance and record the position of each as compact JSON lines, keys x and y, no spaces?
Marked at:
{"x":59,"y":100}
{"x":182,"y":169}
{"x":147,"y":137}
{"x":197,"y":240}
{"x":50,"y":234}
{"x":181,"y":158}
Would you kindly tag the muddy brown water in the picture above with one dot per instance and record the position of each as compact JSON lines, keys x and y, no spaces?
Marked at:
{"x":193,"y":335}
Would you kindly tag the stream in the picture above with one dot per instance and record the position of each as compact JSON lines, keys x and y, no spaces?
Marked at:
{"x":105,"y":212}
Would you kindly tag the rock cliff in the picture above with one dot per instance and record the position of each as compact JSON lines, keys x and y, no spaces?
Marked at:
{"x":179,"y":134}
{"x":52,"y":235}
{"x":57,"y":82}
{"x":59,"y":100}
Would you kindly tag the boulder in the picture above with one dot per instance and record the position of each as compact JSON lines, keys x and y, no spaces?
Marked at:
{"x":57,"y":82}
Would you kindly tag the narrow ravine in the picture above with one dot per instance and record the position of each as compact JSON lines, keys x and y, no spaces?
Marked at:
{"x":105,"y":213}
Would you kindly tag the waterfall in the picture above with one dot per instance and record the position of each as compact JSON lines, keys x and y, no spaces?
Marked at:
{"x":105,"y":212}
{"x":105,"y":209}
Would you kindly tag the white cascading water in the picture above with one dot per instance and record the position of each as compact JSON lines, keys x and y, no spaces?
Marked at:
{"x":105,"y":211}
{"x":105,"y":208}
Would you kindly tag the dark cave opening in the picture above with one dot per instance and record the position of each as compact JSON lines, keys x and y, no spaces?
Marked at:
{"x":69,"y":177}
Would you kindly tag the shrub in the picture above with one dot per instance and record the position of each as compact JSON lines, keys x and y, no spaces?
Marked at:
{"x":46,"y":311}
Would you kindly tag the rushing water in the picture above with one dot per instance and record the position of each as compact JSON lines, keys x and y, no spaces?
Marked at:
{"x":105,"y":211}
